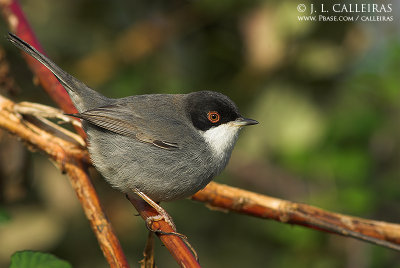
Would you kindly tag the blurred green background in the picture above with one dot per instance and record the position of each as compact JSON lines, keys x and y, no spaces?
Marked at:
{"x":326,"y":95}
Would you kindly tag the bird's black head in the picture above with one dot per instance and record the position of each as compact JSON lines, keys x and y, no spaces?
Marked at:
{"x":209,"y":109}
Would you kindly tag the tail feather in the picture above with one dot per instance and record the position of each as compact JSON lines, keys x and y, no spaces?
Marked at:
{"x":83,"y":97}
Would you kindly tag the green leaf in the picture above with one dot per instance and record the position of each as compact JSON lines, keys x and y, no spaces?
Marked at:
{"x":31,"y":259}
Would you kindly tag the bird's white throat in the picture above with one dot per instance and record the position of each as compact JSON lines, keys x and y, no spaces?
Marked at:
{"x":222,"y":139}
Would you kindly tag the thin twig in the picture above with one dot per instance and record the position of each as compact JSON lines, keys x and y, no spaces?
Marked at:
{"x":148,"y":253}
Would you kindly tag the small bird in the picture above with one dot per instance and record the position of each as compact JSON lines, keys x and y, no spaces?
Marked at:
{"x":161,"y":146}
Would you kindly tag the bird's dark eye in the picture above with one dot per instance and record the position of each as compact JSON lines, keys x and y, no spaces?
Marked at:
{"x":213,"y":116}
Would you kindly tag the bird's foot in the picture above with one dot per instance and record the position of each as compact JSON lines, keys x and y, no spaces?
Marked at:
{"x":162,"y":215}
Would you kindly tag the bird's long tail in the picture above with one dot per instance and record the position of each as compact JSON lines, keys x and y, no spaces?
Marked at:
{"x":83,"y":97}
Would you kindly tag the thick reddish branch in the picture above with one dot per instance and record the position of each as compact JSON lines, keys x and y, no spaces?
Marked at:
{"x":245,"y":202}
{"x":109,"y":243}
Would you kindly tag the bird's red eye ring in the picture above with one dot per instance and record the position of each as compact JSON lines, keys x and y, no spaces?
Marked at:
{"x":213,"y":116}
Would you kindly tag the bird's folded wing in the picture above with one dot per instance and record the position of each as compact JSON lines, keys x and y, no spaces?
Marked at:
{"x":115,"y":120}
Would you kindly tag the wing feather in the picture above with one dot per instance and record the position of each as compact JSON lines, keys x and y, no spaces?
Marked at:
{"x":111,"y":119}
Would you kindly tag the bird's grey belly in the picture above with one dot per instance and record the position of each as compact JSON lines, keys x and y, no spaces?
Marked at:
{"x":161,"y":174}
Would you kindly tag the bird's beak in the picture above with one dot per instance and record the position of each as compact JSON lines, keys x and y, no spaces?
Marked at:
{"x":240,"y":122}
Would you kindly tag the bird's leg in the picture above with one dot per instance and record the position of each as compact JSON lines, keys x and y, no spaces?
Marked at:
{"x":162,"y":214}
